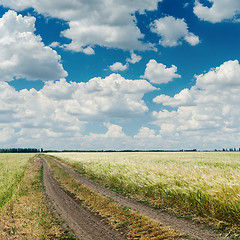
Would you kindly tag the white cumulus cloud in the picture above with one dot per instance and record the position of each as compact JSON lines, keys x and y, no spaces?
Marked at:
{"x":32,"y":61}
{"x":120,"y":67}
{"x":134,"y":58}
{"x":57,"y":114}
{"x":147,"y":138}
{"x":99,"y":22}
{"x":114,"y":132}
{"x":219,"y":11}
{"x":208,"y":113}
{"x":7,"y":134}
{"x":173,"y":32}
{"x":158,"y":73}
{"x":117,"y":66}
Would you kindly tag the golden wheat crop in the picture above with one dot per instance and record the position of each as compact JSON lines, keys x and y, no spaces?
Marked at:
{"x":206,"y":184}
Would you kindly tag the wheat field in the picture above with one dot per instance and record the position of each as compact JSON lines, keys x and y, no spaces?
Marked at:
{"x":12,"y":167}
{"x":205,"y":184}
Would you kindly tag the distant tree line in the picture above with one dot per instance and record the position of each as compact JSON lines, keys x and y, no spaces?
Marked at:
{"x":230,"y":149}
{"x":20,"y":150}
{"x":128,"y":150}
{"x":36,"y":150}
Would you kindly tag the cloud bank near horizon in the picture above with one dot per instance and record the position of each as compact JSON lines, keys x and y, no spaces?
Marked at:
{"x":208,"y":111}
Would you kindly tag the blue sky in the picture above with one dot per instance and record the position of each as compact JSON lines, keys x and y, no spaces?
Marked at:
{"x":103,"y":74}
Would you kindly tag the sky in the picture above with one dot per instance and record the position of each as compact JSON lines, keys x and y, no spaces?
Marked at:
{"x":118,"y":75}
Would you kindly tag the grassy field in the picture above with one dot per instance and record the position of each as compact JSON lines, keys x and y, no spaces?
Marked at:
{"x":26,"y":215}
{"x":204,"y":184}
{"x":12,"y":167}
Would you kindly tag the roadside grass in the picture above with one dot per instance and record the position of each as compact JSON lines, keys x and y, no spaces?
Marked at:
{"x":26,"y":215}
{"x":205,"y":185}
{"x":126,"y":221}
{"x":12,"y":168}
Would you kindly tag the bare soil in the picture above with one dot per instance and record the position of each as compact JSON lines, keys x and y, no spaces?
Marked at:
{"x":85,"y":225}
{"x":193,"y":229}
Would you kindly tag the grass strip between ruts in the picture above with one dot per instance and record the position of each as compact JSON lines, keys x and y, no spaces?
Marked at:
{"x":128,"y":222}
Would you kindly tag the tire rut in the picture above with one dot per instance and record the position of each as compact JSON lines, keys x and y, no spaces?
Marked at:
{"x":193,"y":229}
{"x":85,"y":224}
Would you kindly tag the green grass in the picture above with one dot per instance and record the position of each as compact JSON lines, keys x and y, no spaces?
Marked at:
{"x":12,"y":168}
{"x":205,"y":184}
{"x":26,"y":215}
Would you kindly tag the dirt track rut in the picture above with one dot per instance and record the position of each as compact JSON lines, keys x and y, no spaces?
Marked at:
{"x":84,"y":224}
{"x":195,"y":230}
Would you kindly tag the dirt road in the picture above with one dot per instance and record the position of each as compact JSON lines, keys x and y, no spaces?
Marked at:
{"x":195,"y":230}
{"x":84,"y":224}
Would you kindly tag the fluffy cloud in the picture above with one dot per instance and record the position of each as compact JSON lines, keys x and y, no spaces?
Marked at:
{"x":113,"y":96}
{"x":224,"y":77}
{"x":183,"y":98}
{"x":34,"y":60}
{"x":118,"y":67}
{"x":219,"y":11}
{"x":7,"y":134}
{"x":134,"y":58}
{"x":98,"y":22}
{"x":145,"y":132}
{"x":115,"y":138}
{"x":114,"y":132}
{"x":208,"y":112}
{"x":173,"y":31}
{"x":60,"y":110}
{"x":158,"y":73}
